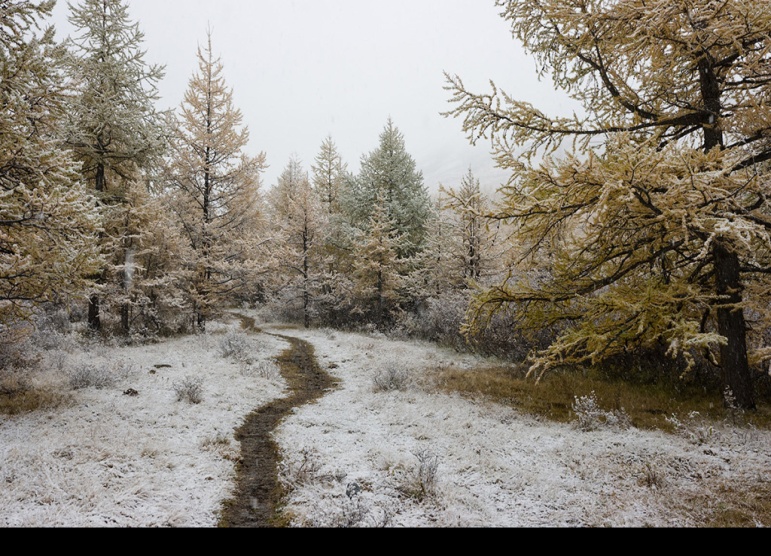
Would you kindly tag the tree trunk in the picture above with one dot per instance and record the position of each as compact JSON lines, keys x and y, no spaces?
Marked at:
{"x":306,"y":284}
{"x":125,"y":319}
{"x":94,"y":321}
{"x":737,"y":378}
{"x":200,"y":320}
{"x":100,"y":180}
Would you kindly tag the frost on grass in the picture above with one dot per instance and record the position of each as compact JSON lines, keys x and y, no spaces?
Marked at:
{"x":236,"y":345}
{"x":246,"y":352}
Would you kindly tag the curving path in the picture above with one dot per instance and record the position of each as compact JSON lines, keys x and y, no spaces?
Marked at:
{"x":258,"y":491}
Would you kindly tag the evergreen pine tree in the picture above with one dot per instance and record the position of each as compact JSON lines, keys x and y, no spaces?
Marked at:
{"x":328,"y":175}
{"x":389,"y":171}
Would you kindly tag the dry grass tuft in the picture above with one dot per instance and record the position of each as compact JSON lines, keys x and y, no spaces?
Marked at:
{"x":27,"y":400}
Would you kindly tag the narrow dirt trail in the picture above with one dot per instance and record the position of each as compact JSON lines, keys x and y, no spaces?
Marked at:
{"x":258,"y":491}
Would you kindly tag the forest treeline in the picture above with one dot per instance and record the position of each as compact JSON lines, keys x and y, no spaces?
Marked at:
{"x":639,"y":230}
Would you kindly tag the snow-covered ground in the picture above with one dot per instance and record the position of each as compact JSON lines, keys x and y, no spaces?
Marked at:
{"x":363,"y":455}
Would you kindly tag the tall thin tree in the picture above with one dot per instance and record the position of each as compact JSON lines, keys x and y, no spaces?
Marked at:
{"x":215,"y":185}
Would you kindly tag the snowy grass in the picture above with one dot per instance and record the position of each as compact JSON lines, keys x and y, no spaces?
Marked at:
{"x":417,"y":457}
{"x":130,"y":455}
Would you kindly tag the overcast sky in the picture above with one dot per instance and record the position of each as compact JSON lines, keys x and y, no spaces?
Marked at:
{"x":305,"y":69}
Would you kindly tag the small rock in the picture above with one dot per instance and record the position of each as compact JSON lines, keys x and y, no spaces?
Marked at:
{"x":352,"y":489}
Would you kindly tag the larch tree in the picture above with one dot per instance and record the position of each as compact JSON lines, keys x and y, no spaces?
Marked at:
{"x":214,"y":187}
{"x":297,"y":222}
{"x":462,"y":244}
{"x":151,"y":279}
{"x":378,"y":270}
{"x":330,"y":178}
{"x":655,"y":229}
{"x":113,"y":128}
{"x":328,"y":174}
{"x":474,"y":240}
{"x":48,"y":221}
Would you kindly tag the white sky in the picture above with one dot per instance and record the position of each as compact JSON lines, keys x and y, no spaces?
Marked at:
{"x":305,"y":69}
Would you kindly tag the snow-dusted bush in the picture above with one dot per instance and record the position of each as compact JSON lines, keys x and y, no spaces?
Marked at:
{"x":390,"y":379}
{"x":90,"y":376}
{"x":301,"y":472}
{"x":590,"y":416}
{"x":189,"y":389}
{"x":428,"y":465}
{"x":267,"y":369}
{"x":235,"y":344}
{"x":693,"y":428}
{"x":420,"y":482}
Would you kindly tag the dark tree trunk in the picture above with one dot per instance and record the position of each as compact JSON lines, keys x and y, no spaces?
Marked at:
{"x":737,"y":378}
{"x":94,"y":320}
{"x":125,"y":319}
{"x":306,"y":284}
{"x":200,"y":321}
{"x":100,"y":180}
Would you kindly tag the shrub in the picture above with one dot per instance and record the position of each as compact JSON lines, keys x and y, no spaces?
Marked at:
{"x":390,"y":379}
{"x":420,"y":483}
{"x":16,"y":350}
{"x":90,"y":376}
{"x":189,"y":389}
{"x":263,"y":369}
{"x":591,"y":417}
{"x":428,"y":465}
{"x":694,"y":428}
{"x":236,"y":345}
{"x":304,"y":472}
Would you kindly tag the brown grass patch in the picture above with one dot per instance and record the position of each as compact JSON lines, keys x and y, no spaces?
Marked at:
{"x":742,"y":507}
{"x":647,"y":405}
{"x":32,"y":399}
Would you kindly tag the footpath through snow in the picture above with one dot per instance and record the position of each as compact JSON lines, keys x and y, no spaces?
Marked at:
{"x":382,"y":448}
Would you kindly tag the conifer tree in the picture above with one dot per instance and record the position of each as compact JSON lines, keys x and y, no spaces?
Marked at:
{"x":389,"y":171}
{"x":655,"y":228}
{"x":48,"y":221}
{"x":297,"y":219}
{"x":146,"y":287}
{"x":214,"y":188}
{"x":378,"y":271}
{"x":474,"y":243}
{"x":462,"y":248}
{"x":114,"y":129}
{"x":328,"y":175}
